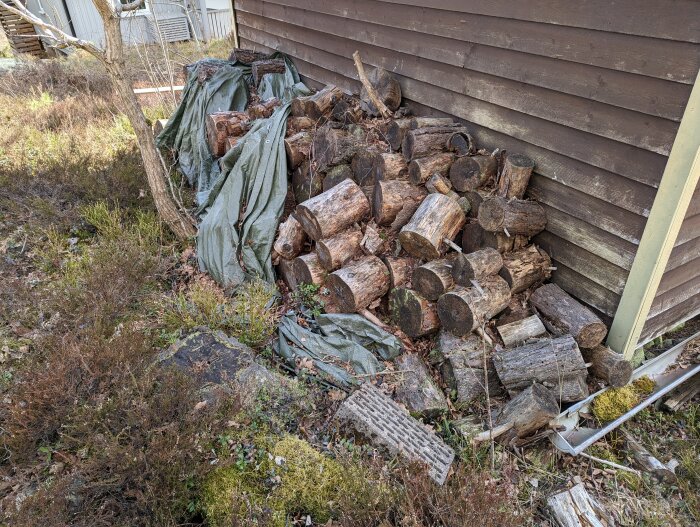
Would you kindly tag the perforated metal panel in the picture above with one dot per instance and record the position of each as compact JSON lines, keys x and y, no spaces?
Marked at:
{"x":173,"y":29}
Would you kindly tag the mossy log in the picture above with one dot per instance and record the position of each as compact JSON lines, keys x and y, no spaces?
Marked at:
{"x":463,"y":309}
{"x":470,"y":173}
{"x":358,"y":284}
{"x":526,"y":267}
{"x":420,"y":170}
{"x":434,"y":279}
{"x":336,"y":251}
{"x":415,"y":315}
{"x":515,"y":216}
{"x":476,"y":266}
{"x":391,"y":197}
{"x":290,"y":239}
{"x":336,"y":175}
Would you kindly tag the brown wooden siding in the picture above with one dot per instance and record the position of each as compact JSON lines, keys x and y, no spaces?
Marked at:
{"x":592,"y":91}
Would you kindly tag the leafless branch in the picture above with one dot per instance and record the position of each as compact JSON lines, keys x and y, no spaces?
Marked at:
{"x":131,"y":6}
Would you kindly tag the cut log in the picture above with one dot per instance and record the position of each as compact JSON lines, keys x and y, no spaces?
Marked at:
{"x":390,"y":197}
{"x":363,"y":165}
{"x":434,"y":279}
{"x":424,"y":142}
{"x":416,"y":389}
{"x":515,"y":176}
{"x":441,"y":185}
{"x":530,"y":410}
{"x":263,"y":67}
{"x":420,"y":170}
{"x":555,"y":363}
{"x":263,"y":110}
{"x":358,"y":284}
{"x":298,"y":148}
{"x":390,"y":167}
{"x":475,"y":198}
{"x":246,"y":56}
{"x":307,"y":269}
{"x":470,"y":173}
{"x":516,"y":216}
{"x":336,"y":175}
{"x":464,"y":309}
{"x":231,"y":142}
{"x":396,"y":131}
{"x":415,"y":315}
{"x":372,"y":242}
{"x":221,"y":125}
{"x":426,"y":122}
{"x":387,"y":88}
{"x":336,"y":251}
{"x":562,"y":314}
{"x":608,"y":365}
{"x":520,"y":331}
{"x":306,"y":183}
{"x":333,"y":211}
{"x":290,"y":239}
{"x":526,"y":267}
{"x":472,"y":237}
{"x":285,"y":269}
{"x":298,"y":124}
{"x":322,"y":102}
{"x":575,"y":508}
{"x":334,"y":145}
{"x":436,"y":219}
{"x":346,"y":111}
{"x":400,"y":269}
{"x":476,"y":266}
{"x":461,"y":143}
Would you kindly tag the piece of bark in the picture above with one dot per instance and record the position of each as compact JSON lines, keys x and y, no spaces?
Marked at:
{"x":220,"y":125}
{"x":334,"y":145}
{"x":461,"y":143}
{"x":368,"y":191}
{"x":263,"y":110}
{"x":387,"y":89}
{"x":396,"y":131}
{"x":575,"y":508}
{"x":298,"y":148}
{"x":415,"y":315}
{"x":420,"y":170}
{"x":608,"y":365}
{"x":285,"y":268}
{"x":363,"y":165}
{"x":390,"y":167}
{"x":416,"y":389}
{"x":530,"y":410}
{"x":464,"y":309}
{"x":428,"y":141}
{"x":158,"y":126}
{"x":390,"y":197}
{"x":358,"y":284}
{"x":555,"y":363}
{"x":246,"y":56}
{"x":307,"y":269}
{"x":290,"y":239}
{"x":333,"y":211}
{"x":515,"y":216}
{"x":372,"y":242}
{"x":515,"y":176}
{"x":437,"y":218}
{"x":470,"y":173}
{"x":306,"y":183}
{"x":263,"y":67}
{"x":298,"y":124}
{"x":425,"y":122}
{"x":526,"y":267}
{"x":562,"y":314}
{"x":336,"y":251}
{"x":521,"y":331}
{"x":400,"y":269}
{"x":336,"y":175}
{"x":476,"y":266}
{"x":434,"y":279}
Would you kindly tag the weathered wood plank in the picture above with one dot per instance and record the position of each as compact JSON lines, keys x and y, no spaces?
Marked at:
{"x":585,"y":290}
{"x":675,"y":296}
{"x":690,"y":229}
{"x":684,"y":253}
{"x":682,"y":274}
{"x":670,"y":318}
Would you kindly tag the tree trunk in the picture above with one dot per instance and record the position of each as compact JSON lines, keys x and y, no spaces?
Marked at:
{"x":436,"y":219}
{"x":415,"y":315}
{"x":336,"y":175}
{"x":608,"y":365}
{"x":390,"y":167}
{"x":358,"y":284}
{"x":420,"y":170}
{"x":290,"y":239}
{"x":363,"y":164}
{"x":515,"y":176}
{"x":307,"y":269}
{"x":530,"y":410}
{"x":434,"y":279}
{"x":555,"y":363}
{"x":516,"y":216}
{"x":525,"y":267}
{"x":298,"y":148}
{"x":476,"y":266}
{"x":333,"y":211}
{"x":396,"y":131}
{"x":336,"y":251}
{"x":305,"y":183}
{"x":400,"y":269}
{"x":461,"y":143}
{"x":470,"y":173}
{"x":426,"y":141}
{"x":520,"y":331}
{"x":390,"y":197}
{"x":333,"y":145}
{"x":562,"y":314}
{"x":463,"y":309}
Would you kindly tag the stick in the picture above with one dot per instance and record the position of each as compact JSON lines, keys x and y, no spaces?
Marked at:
{"x":610,"y":463}
{"x":493,"y":433}
{"x":371,"y":92}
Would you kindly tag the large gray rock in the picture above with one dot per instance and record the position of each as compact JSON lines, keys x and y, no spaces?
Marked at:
{"x":416,"y":388}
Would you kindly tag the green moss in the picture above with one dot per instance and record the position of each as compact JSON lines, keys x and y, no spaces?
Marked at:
{"x":644,"y":386}
{"x":615,"y":402}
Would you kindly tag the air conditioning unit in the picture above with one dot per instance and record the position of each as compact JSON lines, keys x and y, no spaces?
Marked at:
{"x":172,"y":29}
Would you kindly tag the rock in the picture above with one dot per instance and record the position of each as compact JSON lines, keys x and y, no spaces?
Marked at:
{"x":417,"y":390}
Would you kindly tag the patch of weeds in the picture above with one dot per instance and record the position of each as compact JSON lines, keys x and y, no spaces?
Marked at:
{"x":308,"y":296}
{"x":255,"y":316}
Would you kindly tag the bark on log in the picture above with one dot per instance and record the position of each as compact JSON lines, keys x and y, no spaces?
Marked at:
{"x":387,"y":88}
{"x":395,"y":133}
{"x":390,"y":167}
{"x":464,"y":309}
{"x":321,"y":103}
{"x":555,"y":363}
{"x":363,"y":164}
{"x":415,"y":315}
{"x":420,"y":170}
{"x":400,"y":269}
{"x":358,"y":284}
{"x":416,"y":389}
{"x":336,"y":175}
{"x":333,"y":211}
{"x":516,"y":216}
{"x":461,"y":143}
{"x":246,"y":56}
{"x":372,"y":242}
{"x":562,"y":314}
{"x":231,"y":142}
{"x":334,"y":145}
{"x":575,"y":508}
{"x":470,"y":173}
{"x":346,"y":111}
{"x":390,"y":197}
{"x":476,"y":266}
{"x":290,"y":239}
{"x":441,"y":185}
{"x":298,"y":124}
{"x":305,"y":183}
{"x":608,"y":365}
{"x":285,"y":269}
{"x":298,"y":148}
{"x":475,"y":197}
{"x":220,"y":126}
{"x":263,"y":110}
{"x":472,"y":237}
{"x":336,"y":251}
{"x":307,"y":269}
{"x":424,"y":142}
{"x":515,"y":176}
{"x":525,"y":267}
{"x":530,"y":410}
{"x":520,"y":331}
{"x":434,"y":279}
{"x":436,"y":219}
{"x":263,"y":67}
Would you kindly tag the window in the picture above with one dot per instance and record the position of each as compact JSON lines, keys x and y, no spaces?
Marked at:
{"x":142,"y":8}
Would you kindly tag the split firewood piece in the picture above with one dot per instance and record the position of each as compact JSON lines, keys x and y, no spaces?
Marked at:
{"x":562,"y":314}
{"x":263,"y":110}
{"x":306,"y":183}
{"x":298,"y":124}
{"x":520,"y":241}
{"x":436,"y":219}
{"x":534,"y":407}
{"x":221,"y":125}
{"x":334,"y":145}
{"x":333,"y":211}
{"x":441,"y":185}
{"x":514,"y":216}
{"x":647,"y":461}
{"x":515,"y":176}
{"x":390,"y":167}
{"x":400,"y":269}
{"x":363,"y":165}
{"x":290,"y":239}
{"x":358,"y":284}
{"x":336,"y":251}
{"x":307,"y":269}
{"x":396,"y":131}
{"x":390,"y":197}
{"x":317,"y":105}
{"x":370,"y":95}
{"x":464,"y":309}
{"x":476,"y":266}
{"x":420,"y":170}
{"x":428,"y":141}
{"x":575,"y":508}
{"x":263,"y":67}
{"x":246,"y":56}
{"x":608,"y":365}
{"x":285,"y":269}
{"x":414,"y":314}
{"x":461,"y":143}
{"x":336,"y":175}
{"x":346,"y":111}
{"x":526,"y":267}
{"x":298,"y":148}
{"x":416,"y":389}
{"x":372,"y":242}
{"x":434,"y":279}
{"x":555,"y":363}
{"x":520,"y":331}
{"x":470,"y":173}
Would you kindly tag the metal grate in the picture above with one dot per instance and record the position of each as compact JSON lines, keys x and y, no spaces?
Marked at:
{"x":173,"y":29}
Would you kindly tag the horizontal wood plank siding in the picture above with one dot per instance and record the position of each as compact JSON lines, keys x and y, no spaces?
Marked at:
{"x":592,"y":91}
